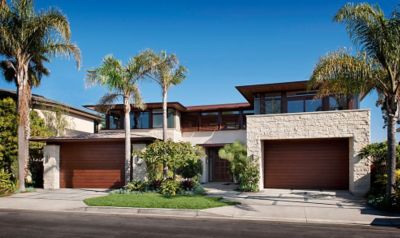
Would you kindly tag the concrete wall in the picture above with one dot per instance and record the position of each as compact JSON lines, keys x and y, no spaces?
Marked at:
{"x":51,"y":167}
{"x":352,"y":124}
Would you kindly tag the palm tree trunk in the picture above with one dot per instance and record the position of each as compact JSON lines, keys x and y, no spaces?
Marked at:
{"x":391,"y":159}
{"x":24,"y":97}
{"x":165,"y":126}
{"x":127,"y":126}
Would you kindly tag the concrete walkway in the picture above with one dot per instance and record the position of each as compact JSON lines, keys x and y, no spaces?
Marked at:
{"x":306,"y":206}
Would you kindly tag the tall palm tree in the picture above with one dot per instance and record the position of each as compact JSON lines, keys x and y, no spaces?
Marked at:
{"x":166,"y":71}
{"x":375,"y":67}
{"x":121,"y":81}
{"x":27,"y":40}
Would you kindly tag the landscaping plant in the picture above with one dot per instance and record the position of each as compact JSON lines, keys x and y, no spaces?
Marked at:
{"x":244,"y":168}
{"x":169,"y":187}
{"x":6,"y":184}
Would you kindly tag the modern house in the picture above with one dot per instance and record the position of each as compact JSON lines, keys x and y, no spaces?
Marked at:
{"x":300,"y":142}
{"x":79,"y":120}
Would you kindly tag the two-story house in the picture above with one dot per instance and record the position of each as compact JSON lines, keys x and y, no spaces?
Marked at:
{"x":299,"y":141}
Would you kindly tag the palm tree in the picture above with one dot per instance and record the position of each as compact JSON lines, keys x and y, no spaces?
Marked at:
{"x":375,"y":67}
{"x":28,"y":39}
{"x":121,"y":81}
{"x":166,"y":71}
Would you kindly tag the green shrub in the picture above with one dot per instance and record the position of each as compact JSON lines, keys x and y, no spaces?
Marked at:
{"x":136,"y":186}
{"x":191,"y":169}
{"x":6,"y":185}
{"x":244,"y":168}
{"x":199,"y":190}
{"x":169,"y":187}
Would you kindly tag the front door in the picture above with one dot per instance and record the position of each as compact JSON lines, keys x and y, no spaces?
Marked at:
{"x":219,"y":168}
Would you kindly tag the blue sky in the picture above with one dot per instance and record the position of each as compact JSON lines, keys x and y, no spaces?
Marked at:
{"x":222,"y":43}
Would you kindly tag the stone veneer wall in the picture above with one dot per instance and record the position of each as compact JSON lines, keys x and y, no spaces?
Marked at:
{"x":51,"y":167}
{"x":352,"y":124}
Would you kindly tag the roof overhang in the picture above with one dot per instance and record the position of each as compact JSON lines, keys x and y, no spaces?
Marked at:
{"x":153,"y":105}
{"x":248,"y":91}
{"x":98,"y":137}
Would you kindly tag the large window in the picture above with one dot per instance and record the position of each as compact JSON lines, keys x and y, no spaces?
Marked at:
{"x":209,"y":121}
{"x":313,"y":105}
{"x":245,"y":113}
{"x":230,"y":120}
{"x":272,"y":104}
{"x":115,"y":120}
{"x":303,"y":102}
{"x":140,"y":120}
{"x":158,"y":118}
{"x":257,"y":104}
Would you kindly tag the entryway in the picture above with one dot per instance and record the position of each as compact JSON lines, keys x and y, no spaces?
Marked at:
{"x":219,"y":169}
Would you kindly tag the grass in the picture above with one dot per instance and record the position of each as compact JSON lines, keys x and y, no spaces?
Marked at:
{"x":155,"y":200}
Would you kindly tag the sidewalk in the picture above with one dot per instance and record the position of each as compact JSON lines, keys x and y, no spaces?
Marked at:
{"x":268,"y":205}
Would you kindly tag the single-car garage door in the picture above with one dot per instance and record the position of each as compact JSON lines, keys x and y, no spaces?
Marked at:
{"x":306,"y":164}
{"x":92,"y":165}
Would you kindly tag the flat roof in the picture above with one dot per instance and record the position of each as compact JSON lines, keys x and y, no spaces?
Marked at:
{"x":91,"y":137}
{"x":249,"y":90}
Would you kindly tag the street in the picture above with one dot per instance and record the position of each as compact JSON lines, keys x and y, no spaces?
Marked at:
{"x":14,"y":223}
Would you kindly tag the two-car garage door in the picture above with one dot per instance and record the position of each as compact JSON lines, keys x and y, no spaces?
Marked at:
{"x":92,"y":165}
{"x":306,"y":164}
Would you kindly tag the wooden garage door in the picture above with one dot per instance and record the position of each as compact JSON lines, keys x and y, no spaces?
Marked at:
{"x":302,"y":164}
{"x":92,"y":165}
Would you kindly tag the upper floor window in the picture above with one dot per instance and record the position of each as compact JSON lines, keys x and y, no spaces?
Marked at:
{"x":230,"y":120}
{"x":158,"y":118}
{"x":115,"y":120}
{"x":190,"y":121}
{"x":272,"y":104}
{"x":303,"y":102}
{"x":209,"y":120}
{"x":245,"y":113}
{"x":140,"y":120}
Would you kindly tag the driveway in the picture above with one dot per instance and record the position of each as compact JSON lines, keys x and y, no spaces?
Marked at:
{"x":299,"y":205}
{"x":51,"y":200}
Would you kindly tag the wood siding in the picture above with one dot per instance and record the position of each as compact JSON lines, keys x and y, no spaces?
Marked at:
{"x":92,"y":165}
{"x":306,"y":164}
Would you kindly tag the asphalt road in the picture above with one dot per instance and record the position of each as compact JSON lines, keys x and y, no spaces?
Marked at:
{"x":57,"y":224}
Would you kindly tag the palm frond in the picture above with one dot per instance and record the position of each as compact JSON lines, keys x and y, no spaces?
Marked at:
{"x":65,"y":49}
{"x":107,"y":101}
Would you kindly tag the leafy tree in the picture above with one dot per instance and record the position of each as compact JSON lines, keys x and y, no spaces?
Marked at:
{"x":375,"y":67}
{"x":175,"y":155}
{"x":28,"y":40}
{"x":57,"y":121}
{"x":121,"y":81}
{"x":8,"y":137}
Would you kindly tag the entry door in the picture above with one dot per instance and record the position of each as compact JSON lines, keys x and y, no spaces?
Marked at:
{"x":220,"y":168}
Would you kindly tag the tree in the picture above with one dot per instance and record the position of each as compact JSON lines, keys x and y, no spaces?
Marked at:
{"x":375,"y":67}
{"x":121,"y":81}
{"x":166,"y":71}
{"x":28,"y":39}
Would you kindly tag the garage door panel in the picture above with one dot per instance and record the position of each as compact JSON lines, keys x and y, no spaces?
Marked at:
{"x":314,"y":164}
{"x":92,"y":165}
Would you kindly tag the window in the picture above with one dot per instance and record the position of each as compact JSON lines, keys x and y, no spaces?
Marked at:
{"x":209,"y":121}
{"x":257,"y":106}
{"x":140,"y":120}
{"x":337,"y":103}
{"x":245,"y":113}
{"x":295,"y":106}
{"x":115,"y":120}
{"x":190,"y":121}
{"x":158,"y":118}
{"x":272,"y":104}
{"x":230,"y":120}
{"x":313,"y":105}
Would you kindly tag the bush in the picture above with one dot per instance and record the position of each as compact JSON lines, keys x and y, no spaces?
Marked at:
{"x":6,"y":185}
{"x":136,"y":186}
{"x":155,"y":185}
{"x":188,"y":184}
{"x":191,"y":169}
{"x":198,"y":189}
{"x":169,"y":187}
{"x":244,"y":168}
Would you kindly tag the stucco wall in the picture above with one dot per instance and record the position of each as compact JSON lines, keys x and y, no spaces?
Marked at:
{"x":214,"y":137}
{"x":76,"y":124}
{"x":51,"y":167}
{"x":352,"y":124}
